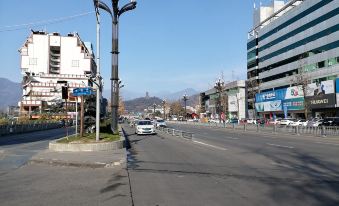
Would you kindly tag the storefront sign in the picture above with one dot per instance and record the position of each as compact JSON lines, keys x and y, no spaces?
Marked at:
{"x":321,"y":101}
{"x":337,"y":90}
{"x":270,"y":96}
{"x":294,"y":104}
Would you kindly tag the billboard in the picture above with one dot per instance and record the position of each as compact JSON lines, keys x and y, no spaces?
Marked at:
{"x":316,"y":89}
{"x":294,"y":92}
{"x":232,"y":103}
{"x":270,"y":106}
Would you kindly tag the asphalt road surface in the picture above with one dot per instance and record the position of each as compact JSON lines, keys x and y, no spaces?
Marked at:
{"x":220,"y":167}
{"x":16,"y":150}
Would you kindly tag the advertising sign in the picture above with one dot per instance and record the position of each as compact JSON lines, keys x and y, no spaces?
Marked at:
{"x":294,"y":104}
{"x":270,"y":96}
{"x":337,"y":90}
{"x":324,"y":87}
{"x":321,"y":101}
{"x":294,"y":92}
{"x":232,"y":104}
{"x":269,"y":106}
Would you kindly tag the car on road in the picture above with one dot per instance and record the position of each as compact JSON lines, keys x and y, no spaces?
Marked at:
{"x":160,"y":123}
{"x":251,"y":121}
{"x":315,"y":123}
{"x":286,"y":121}
{"x":274,"y":121}
{"x":299,"y":122}
{"x":234,"y":121}
{"x":331,"y":121}
{"x":144,"y":127}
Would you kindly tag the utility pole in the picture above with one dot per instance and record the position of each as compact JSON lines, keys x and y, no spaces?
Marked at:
{"x":164,"y":105}
{"x":98,"y":77}
{"x":219,"y":86}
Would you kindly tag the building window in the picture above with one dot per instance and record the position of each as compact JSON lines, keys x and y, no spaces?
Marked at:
{"x":75,"y":63}
{"x":33,"y":61}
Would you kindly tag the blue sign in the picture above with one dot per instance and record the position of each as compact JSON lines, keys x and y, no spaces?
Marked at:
{"x":278,"y":94}
{"x":82,"y":91}
{"x":337,"y":85}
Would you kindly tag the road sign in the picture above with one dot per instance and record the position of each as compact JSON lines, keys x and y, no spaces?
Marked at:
{"x":82,"y":91}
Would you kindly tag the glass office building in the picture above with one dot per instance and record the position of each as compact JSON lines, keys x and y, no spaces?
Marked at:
{"x":295,"y":44}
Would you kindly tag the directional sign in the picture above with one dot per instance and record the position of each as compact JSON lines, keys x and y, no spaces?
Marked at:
{"x":82,"y":91}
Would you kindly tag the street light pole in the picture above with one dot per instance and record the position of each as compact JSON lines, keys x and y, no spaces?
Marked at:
{"x":98,"y":77}
{"x":154,"y":105}
{"x":115,"y":13}
{"x":185,"y":98}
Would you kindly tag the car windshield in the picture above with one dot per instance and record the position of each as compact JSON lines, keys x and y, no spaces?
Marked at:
{"x":160,"y":120}
{"x":144,"y":123}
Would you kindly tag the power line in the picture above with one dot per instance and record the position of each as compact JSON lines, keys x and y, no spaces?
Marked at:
{"x":43,"y":22}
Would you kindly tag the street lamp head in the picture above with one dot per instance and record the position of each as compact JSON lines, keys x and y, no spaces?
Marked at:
{"x":102,"y":5}
{"x":130,"y":6}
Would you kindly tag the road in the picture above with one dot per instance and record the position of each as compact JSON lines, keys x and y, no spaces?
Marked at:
{"x":224,"y":168}
{"x":16,"y":150}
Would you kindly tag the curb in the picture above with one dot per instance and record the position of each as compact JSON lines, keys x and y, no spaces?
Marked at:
{"x":76,"y":164}
{"x":86,"y":147}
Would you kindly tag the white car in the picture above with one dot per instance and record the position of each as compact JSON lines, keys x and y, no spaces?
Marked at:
{"x":286,"y":121}
{"x":297,"y":123}
{"x":144,"y":127}
{"x":160,"y":123}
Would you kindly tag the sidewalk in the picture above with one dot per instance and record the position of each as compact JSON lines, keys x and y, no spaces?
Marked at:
{"x":97,"y":159}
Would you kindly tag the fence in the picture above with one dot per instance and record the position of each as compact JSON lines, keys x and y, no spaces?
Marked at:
{"x":311,"y":131}
{"x":178,"y":133}
{"x":16,"y":128}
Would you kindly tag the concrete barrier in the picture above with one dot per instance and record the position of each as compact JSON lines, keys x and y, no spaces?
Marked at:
{"x":87,"y":147}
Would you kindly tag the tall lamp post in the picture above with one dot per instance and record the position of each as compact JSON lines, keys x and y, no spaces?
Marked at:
{"x":219,"y":86}
{"x":115,"y":13}
{"x":185,"y":98}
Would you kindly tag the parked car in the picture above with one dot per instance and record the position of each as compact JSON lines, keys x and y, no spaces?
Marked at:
{"x":286,"y":121}
{"x":160,"y":123}
{"x":297,"y":123}
{"x":214,"y":120}
{"x":315,"y":122}
{"x":144,"y":127}
{"x":331,"y":121}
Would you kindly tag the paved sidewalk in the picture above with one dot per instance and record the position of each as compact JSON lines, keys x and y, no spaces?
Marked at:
{"x":94,"y":159}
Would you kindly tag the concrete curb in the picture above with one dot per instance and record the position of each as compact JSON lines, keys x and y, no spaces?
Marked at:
{"x":76,"y":164}
{"x":87,"y":147}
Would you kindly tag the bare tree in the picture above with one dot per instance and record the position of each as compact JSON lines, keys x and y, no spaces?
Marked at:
{"x":252,"y":89}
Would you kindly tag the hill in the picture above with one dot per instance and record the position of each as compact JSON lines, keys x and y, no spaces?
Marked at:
{"x":139,"y":104}
{"x":10,"y":93}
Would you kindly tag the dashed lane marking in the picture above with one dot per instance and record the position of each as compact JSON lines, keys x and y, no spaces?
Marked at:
{"x":327,"y":143}
{"x":209,"y":145}
{"x":278,"y":145}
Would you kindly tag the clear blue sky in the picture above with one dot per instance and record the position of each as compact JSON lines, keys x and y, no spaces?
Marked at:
{"x":165,"y":45}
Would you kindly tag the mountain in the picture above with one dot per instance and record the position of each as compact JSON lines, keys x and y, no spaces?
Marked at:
{"x":176,"y":95}
{"x":10,"y":93}
{"x":141,"y":103}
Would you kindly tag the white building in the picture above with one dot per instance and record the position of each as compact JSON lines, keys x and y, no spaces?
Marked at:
{"x":50,"y":61}
{"x":234,"y":93}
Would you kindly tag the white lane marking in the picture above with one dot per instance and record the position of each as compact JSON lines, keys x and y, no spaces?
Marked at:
{"x":327,"y":143}
{"x":232,"y":137}
{"x":209,"y":145}
{"x":278,"y":145}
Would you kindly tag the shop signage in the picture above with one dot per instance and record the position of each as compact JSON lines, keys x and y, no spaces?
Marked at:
{"x":337,"y":90}
{"x":270,"y":96}
{"x":294,"y":104}
{"x":294,"y":92}
{"x":321,"y":101}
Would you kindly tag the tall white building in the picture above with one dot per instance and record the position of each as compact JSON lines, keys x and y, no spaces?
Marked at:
{"x":50,"y":61}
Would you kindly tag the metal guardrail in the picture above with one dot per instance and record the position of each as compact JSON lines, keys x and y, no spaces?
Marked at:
{"x":298,"y":130}
{"x":175,"y":132}
{"x":23,"y":128}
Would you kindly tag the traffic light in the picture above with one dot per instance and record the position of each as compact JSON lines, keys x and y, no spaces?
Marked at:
{"x":64,"y":91}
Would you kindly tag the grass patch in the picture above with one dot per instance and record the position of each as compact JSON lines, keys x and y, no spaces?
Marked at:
{"x":90,"y":138}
